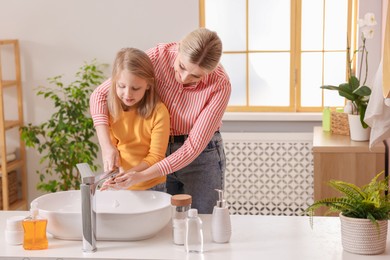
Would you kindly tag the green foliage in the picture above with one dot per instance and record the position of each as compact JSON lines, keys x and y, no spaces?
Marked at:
{"x":367,"y":202}
{"x":359,"y":95}
{"x":65,"y":139}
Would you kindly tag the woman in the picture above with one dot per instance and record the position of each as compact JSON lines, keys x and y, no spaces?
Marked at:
{"x":196,"y":90}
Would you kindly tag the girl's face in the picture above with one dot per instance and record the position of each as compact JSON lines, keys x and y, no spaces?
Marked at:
{"x":130,"y":88}
{"x":186,"y":72}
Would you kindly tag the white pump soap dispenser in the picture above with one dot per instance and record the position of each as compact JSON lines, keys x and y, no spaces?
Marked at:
{"x":221,"y":228}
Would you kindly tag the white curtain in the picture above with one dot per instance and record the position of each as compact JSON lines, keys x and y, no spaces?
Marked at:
{"x":378,"y":110}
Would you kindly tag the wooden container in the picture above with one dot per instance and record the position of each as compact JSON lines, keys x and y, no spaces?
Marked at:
{"x":339,"y":123}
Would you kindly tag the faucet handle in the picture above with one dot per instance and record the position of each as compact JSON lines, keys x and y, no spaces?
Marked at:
{"x":87,"y":176}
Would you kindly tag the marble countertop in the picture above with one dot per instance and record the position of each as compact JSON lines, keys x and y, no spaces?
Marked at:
{"x":253,"y":237}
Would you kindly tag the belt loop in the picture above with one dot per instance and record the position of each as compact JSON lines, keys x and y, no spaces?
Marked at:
{"x":172,"y":138}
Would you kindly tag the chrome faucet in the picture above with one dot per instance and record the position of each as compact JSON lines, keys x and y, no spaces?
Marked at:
{"x":88,"y":204}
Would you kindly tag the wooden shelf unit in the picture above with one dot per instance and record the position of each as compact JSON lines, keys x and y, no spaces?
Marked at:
{"x":338,"y":157}
{"x":19,"y":163}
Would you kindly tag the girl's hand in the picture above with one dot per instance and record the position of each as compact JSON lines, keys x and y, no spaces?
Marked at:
{"x":108,"y":185}
{"x":110,"y":157}
{"x":110,"y":154}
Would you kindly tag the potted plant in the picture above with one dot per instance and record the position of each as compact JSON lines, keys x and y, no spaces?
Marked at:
{"x":364,"y":213}
{"x":355,"y":89}
{"x":66,"y":138}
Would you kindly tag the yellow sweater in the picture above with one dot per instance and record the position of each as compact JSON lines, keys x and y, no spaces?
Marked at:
{"x":139,"y":139}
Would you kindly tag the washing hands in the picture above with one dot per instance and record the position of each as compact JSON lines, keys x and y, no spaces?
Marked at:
{"x":121,"y":181}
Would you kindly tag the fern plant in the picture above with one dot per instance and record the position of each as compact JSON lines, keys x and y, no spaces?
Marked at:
{"x":367,"y":202}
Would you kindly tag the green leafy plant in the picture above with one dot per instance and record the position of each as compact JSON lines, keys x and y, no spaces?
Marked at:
{"x":368,"y":202}
{"x":356,"y":90}
{"x":66,"y":138}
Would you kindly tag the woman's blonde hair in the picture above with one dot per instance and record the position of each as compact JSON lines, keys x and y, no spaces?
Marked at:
{"x":203,"y":48}
{"x":138,"y":63}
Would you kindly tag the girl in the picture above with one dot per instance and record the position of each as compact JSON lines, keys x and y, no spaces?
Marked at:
{"x":139,"y":122}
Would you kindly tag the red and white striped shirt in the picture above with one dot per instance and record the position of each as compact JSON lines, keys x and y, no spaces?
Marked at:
{"x":194,"y":110}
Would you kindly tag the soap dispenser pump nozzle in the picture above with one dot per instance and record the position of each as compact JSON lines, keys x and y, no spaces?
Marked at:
{"x":34,"y":210}
{"x":221,"y":202}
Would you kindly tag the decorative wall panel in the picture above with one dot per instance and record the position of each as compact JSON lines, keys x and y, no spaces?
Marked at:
{"x":268,"y":173}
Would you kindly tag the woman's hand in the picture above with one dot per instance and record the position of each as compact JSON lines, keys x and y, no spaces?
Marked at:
{"x":126,"y":179}
{"x":108,"y":185}
{"x":122,"y":181}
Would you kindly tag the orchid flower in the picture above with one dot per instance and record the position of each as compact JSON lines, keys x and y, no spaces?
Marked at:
{"x":368,"y":32}
{"x":366,"y":25}
{"x":369,"y":19}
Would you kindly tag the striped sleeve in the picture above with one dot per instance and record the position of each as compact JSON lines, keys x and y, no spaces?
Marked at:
{"x":98,"y":104}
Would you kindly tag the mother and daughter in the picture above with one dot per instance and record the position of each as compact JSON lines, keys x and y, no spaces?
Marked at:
{"x":158,"y":118}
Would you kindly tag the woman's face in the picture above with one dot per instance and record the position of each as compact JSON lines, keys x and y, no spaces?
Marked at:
{"x":186,"y":72}
{"x":130,"y":88}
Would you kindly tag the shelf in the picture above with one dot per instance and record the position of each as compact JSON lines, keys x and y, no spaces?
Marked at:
{"x":11,"y":124}
{"x":9,"y":83}
{"x":11,"y":41}
{"x":18,"y":164}
{"x":328,"y":142}
{"x":12,"y":165}
{"x":18,"y":205}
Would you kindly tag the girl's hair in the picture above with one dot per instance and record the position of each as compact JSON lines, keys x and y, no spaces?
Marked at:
{"x":203,"y":48}
{"x":138,"y":63}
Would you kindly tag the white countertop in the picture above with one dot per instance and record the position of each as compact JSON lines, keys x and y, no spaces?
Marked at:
{"x":253,"y":237}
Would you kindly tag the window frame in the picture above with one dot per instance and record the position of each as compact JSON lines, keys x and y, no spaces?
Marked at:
{"x":295,"y":57}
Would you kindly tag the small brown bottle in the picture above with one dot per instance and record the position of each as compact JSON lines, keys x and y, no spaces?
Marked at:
{"x":34,"y":230}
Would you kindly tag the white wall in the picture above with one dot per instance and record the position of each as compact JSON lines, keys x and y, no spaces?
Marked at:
{"x":57,"y":36}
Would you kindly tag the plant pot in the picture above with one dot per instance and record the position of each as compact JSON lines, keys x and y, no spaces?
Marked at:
{"x":357,"y":132}
{"x":361,"y":236}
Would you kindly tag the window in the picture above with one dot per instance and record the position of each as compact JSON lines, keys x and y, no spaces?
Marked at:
{"x":278,"y":53}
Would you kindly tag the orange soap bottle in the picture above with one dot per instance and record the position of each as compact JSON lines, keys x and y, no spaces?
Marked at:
{"x":34,"y":230}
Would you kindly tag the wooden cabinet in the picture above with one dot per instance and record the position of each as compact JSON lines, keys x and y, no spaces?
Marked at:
{"x":13,"y":172}
{"x":337,"y":157}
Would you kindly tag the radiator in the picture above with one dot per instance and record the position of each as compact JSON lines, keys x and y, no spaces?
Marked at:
{"x":268,"y":173}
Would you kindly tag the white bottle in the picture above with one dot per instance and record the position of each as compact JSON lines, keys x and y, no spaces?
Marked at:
{"x":194,"y":233}
{"x":348,"y":107}
{"x":221,"y":228}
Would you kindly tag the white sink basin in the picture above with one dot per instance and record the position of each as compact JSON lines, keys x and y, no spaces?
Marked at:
{"x":120,"y":215}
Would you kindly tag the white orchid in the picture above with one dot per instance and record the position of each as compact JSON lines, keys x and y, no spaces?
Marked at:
{"x":366,"y":25}
{"x":368,"y":32}
{"x":355,"y":89}
{"x":369,"y":19}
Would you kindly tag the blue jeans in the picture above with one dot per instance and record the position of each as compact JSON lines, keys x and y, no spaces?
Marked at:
{"x":201,"y":177}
